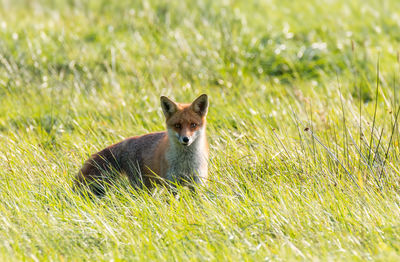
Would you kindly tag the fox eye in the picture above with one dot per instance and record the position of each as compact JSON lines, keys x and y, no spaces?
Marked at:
{"x":178,"y":126}
{"x":193,"y":125}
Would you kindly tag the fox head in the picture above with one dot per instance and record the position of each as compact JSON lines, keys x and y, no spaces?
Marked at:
{"x":185,"y":122}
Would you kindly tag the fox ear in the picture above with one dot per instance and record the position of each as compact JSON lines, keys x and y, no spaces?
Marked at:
{"x":168,"y":106}
{"x":200,"y":105}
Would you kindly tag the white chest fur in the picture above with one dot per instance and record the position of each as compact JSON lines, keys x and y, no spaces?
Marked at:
{"x":187,"y":163}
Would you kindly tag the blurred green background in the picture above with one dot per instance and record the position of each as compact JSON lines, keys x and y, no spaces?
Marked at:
{"x":76,"y":76}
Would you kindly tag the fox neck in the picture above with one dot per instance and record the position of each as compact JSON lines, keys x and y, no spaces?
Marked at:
{"x":187,"y":162}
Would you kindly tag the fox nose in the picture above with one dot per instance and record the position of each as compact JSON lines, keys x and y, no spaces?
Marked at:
{"x":185,"y":139}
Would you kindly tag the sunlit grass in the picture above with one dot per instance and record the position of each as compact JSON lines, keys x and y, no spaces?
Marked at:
{"x":296,"y":172}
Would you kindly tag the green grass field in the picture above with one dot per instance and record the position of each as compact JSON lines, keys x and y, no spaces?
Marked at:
{"x":302,"y":125}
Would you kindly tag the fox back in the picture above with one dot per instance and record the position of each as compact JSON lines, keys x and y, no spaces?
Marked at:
{"x":176,"y":156}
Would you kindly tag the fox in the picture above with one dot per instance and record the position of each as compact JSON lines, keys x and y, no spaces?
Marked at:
{"x":177,"y":156}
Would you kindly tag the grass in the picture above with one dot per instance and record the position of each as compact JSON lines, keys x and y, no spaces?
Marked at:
{"x":302,"y":128}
